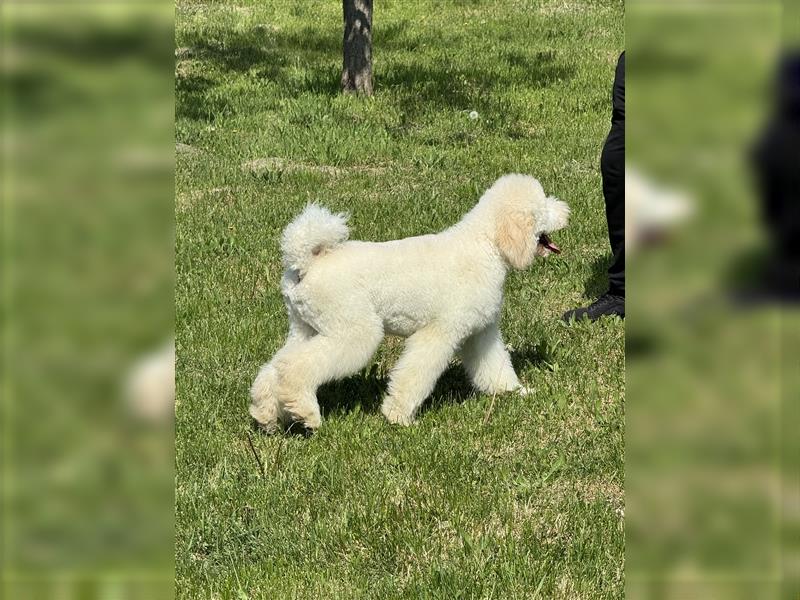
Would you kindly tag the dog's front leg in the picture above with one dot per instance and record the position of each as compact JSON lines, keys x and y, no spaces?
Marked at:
{"x":425,"y":357}
{"x":264,"y":405}
{"x":488,"y":363}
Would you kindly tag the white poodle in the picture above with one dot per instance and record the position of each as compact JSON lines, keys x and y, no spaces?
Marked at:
{"x":443,"y":292}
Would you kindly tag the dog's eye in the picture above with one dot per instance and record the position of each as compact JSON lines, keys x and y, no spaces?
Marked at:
{"x":317,"y":250}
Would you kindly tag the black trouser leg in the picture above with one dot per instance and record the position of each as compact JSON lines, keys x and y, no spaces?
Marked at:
{"x":612,"y":167}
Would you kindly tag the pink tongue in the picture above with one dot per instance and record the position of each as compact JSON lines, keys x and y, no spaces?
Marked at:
{"x":552,"y":247}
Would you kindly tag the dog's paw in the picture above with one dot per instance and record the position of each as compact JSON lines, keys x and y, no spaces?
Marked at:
{"x":395,"y":416}
{"x":299,"y":429}
{"x":524,"y":391}
{"x":266,"y":420}
{"x":312,"y":422}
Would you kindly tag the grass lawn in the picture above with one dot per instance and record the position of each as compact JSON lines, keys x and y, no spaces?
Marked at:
{"x":505,"y":497}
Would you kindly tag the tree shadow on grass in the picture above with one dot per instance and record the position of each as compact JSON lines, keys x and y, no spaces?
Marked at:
{"x":273,"y":51}
{"x":192,"y":100}
{"x":307,"y":61}
{"x":448,"y":84}
{"x":441,"y":86}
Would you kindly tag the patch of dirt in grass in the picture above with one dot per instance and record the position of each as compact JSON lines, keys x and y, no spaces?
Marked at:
{"x":184,"y":199}
{"x":285,"y":165}
{"x":181,"y":148}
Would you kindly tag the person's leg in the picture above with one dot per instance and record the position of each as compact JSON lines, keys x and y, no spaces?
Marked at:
{"x":778,"y":181}
{"x":612,"y":167}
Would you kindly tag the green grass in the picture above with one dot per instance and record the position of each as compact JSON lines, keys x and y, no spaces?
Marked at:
{"x":505,"y":497}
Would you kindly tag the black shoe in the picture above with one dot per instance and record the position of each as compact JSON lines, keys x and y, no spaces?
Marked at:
{"x":606,"y":305}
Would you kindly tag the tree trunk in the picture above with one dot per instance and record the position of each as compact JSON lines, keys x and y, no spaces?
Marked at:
{"x":357,"y":47}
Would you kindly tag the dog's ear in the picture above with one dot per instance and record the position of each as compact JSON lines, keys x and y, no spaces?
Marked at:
{"x":515,"y":239}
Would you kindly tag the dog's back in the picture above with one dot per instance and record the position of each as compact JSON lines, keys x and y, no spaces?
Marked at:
{"x":407,"y":283}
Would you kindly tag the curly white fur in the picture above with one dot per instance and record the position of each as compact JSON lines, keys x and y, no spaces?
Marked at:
{"x":315,"y":232}
{"x":442,"y":292}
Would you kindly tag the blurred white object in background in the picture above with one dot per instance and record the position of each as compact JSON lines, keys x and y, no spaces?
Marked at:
{"x":151,"y":385}
{"x":652,"y":210}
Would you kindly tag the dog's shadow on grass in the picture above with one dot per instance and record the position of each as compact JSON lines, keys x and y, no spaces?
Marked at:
{"x":365,"y":391}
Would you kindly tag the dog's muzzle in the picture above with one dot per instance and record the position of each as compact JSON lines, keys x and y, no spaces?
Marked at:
{"x":546,"y":242}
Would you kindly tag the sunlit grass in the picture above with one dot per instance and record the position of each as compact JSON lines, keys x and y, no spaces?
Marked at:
{"x":509,"y":497}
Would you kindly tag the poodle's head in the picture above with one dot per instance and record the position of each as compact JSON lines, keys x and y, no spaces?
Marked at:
{"x":522,"y":217}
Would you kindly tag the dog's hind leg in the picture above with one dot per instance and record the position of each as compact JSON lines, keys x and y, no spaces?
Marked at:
{"x":488,"y":363}
{"x":424,"y":359}
{"x":303,"y":367}
{"x":264,"y":405}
